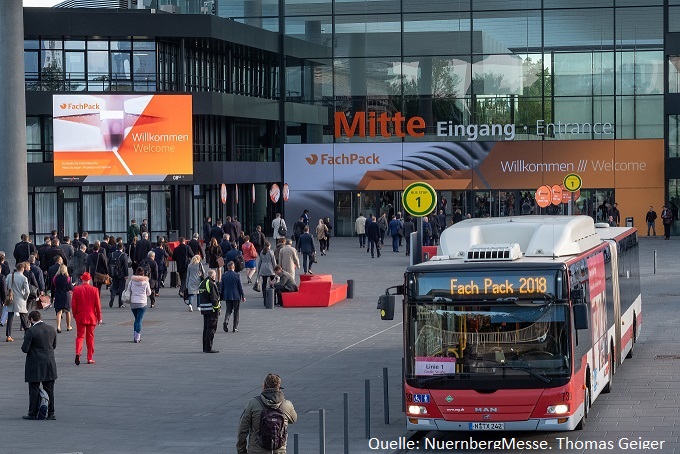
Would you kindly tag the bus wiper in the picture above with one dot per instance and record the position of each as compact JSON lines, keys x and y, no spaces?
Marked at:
{"x":526,"y":369}
{"x":423,"y":380}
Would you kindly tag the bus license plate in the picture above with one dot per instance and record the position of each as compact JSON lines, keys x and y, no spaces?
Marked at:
{"x":487,"y":426}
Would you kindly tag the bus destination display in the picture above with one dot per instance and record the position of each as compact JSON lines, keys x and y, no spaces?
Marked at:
{"x":501,"y":285}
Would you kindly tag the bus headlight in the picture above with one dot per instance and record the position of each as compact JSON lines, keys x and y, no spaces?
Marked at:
{"x":417,"y":410}
{"x":558,"y":409}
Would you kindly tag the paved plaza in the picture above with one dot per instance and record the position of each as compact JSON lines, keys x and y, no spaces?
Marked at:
{"x":165,"y":396}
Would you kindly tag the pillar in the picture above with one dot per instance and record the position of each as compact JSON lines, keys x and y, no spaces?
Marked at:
{"x":13,"y":172}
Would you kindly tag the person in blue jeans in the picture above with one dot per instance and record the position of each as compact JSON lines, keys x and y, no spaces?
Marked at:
{"x":140,"y":290}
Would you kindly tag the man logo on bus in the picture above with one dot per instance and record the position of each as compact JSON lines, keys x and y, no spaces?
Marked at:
{"x":486,"y":410}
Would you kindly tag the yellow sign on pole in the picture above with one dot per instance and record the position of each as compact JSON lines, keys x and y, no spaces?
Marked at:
{"x":419,"y":199}
{"x":573,"y":182}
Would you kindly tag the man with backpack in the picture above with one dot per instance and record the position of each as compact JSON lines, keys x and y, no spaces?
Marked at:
{"x":119,"y":272}
{"x":264,"y":424}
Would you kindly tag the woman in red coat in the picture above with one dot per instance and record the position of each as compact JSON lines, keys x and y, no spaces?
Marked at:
{"x":87,"y":311}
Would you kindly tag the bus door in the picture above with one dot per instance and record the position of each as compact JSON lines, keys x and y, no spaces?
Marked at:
{"x":613,"y":247}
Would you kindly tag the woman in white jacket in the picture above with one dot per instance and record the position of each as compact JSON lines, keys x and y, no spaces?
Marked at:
{"x":18,"y":283}
{"x":139,"y":289}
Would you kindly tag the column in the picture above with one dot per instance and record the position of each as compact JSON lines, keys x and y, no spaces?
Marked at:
{"x":13,"y":172}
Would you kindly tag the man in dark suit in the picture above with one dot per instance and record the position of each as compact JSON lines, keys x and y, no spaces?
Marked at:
{"x":143,"y":247}
{"x":181,"y":255}
{"x":40,"y":341}
{"x":217,"y":232}
{"x":23,"y":249}
{"x":229,"y":227}
{"x":373,"y":235}
{"x":195,"y":246}
{"x":305,"y":245}
{"x":231,"y":292}
{"x":51,"y":253}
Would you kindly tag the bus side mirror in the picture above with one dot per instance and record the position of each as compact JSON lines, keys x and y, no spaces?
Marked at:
{"x":580,"y":316}
{"x":386,"y":306}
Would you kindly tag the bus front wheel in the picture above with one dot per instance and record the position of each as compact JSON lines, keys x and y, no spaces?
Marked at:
{"x":586,"y":408}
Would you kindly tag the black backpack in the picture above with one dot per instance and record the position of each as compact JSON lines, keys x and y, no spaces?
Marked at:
{"x":119,"y":265}
{"x":282,"y":230}
{"x":239,"y":263}
{"x":273,"y":429}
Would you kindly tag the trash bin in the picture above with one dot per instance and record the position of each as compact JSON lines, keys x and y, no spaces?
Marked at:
{"x":629,"y":221}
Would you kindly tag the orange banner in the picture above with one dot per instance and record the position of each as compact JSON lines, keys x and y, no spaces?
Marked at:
{"x":123,"y":137}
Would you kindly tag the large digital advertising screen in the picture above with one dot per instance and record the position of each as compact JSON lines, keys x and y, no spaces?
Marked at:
{"x":122,"y":138}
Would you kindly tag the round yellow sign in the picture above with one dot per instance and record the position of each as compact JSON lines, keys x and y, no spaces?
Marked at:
{"x":572,"y":182}
{"x":419,"y":199}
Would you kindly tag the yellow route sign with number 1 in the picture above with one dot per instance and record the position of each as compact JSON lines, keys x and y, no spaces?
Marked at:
{"x":573,"y":182}
{"x":419,"y":199}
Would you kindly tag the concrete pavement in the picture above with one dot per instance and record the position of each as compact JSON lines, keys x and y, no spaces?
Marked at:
{"x":165,"y":396}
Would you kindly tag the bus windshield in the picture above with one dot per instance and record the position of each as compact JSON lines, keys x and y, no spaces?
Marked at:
{"x":504,"y":344}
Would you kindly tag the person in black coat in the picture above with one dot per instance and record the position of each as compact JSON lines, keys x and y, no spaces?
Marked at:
{"x":216,"y":232}
{"x":182,"y":255}
{"x":142,"y":248}
{"x":39,"y":343}
{"x":373,"y":235}
{"x":229,"y":227}
{"x":150,"y":268}
{"x":79,"y":265}
{"x":305,"y":245}
{"x":195,"y":246}
{"x":409,"y":227}
{"x":23,"y":249}
{"x":97,"y":263}
{"x":207,"y":227}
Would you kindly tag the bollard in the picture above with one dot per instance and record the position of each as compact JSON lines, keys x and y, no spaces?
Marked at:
{"x":386,"y":396}
{"x":403,"y":380}
{"x":367,"y":398}
{"x":350,"y":289}
{"x":296,"y":444}
{"x":654,"y":261}
{"x":270,"y":297}
{"x":345,"y":398}
{"x":322,"y":431}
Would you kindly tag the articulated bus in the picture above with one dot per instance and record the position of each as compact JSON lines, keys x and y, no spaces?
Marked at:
{"x":519,"y":323}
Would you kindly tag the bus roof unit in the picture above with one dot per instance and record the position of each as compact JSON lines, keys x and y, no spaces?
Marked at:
{"x":536,"y":236}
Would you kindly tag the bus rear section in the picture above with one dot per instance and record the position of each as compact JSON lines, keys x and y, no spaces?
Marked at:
{"x":513,"y":335}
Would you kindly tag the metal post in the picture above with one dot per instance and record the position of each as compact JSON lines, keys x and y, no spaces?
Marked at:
{"x":654,"y":261}
{"x":350,"y":288}
{"x":367,"y":404}
{"x":386,"y":396}
{"x":322,"y":431}
{"x":403,"y":380}
{"x":296,"y":443}
{"x":345,"y":398}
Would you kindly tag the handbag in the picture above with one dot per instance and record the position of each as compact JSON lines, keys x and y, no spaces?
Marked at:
{"x":102,"y":279}
{"x":126,"y":296}
{"x":257,"y":286}
{"x":314,"y":257}
{"x":220,"y":261}
{"x":10,"y":294}
{"x":44,"y":301}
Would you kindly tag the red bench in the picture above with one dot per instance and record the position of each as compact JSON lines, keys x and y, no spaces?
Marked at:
{"x":315,"y":290}
{"x":431,"y":251}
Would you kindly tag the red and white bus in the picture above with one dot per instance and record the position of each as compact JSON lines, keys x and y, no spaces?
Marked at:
{"x":519,"y":323}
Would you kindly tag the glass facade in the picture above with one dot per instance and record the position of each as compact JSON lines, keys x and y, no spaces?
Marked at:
{"x":525,"y":63}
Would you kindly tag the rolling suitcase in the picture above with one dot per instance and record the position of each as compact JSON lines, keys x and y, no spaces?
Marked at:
{"x":174,"y":279}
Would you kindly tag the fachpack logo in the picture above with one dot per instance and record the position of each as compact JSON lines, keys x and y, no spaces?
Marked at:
{"x":343,"y":159}
{"x":79,"y":106}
